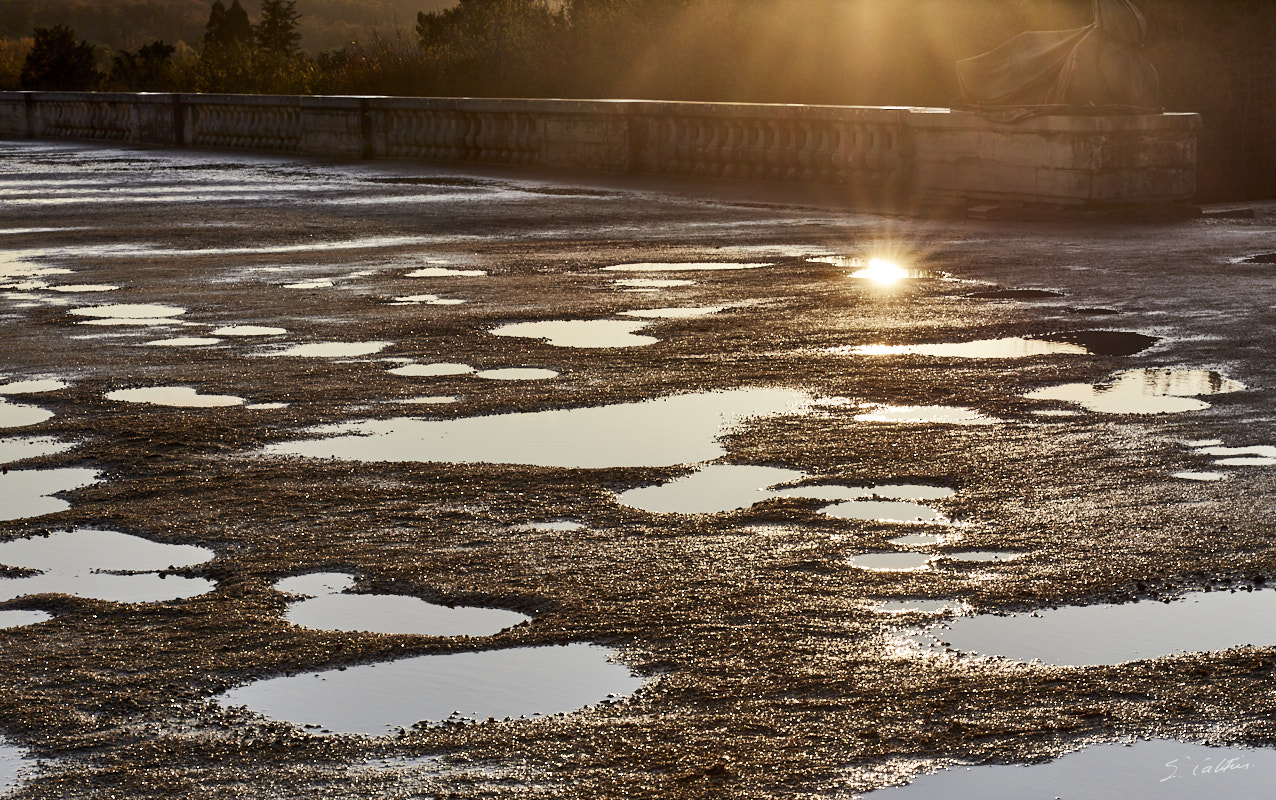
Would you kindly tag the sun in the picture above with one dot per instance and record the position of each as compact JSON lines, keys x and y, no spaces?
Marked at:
{"x":881,"y":271}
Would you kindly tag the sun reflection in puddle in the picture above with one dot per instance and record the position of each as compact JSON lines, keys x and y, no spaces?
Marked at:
{"x":580,"y":333}
{"x":176,"y":396}
{"x":376,"y":699}
{"x":1143,"y":391}
{"x":1159,"y":769}
{"x":941,"y":415}
{"x":667,"y":431}
{"x":29,"y":492}
{"x":102,"y":565}
{"x":330,"y":606}
{"x":1112,"y":634}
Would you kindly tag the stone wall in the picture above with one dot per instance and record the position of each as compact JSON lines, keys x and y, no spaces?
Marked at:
{"x":915,"y":157}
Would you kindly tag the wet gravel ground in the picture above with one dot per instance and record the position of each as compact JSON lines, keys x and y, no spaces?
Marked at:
{"x":770,"y":674}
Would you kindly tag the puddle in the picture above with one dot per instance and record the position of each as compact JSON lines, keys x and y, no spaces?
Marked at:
{"x":1101,"y":343}
{"x":102,"y":565}
{"x":919,"y":606}
{"x":376,"y":699}
{"x":1014,"y":294}
{"x":249,"y":330}
{"x":34,"y":386}
{"x":583,"y":333}
{"x":1158,"y":769}
{"x":917,"y":540}
{"x":20,"y":415}
{"x":553,"y":525}
{"x":330,"y":607}
{"x":429,"y":400}
{"x":129,"y":311}
{"x":20,"y":618}
{"x":690,"y":266}
{"x":446,"y":272}
{"x":28,"y":492}
{"x":15,"y":765}
{"x":653,"y":283}
{"x":663,"y":432}
{"x":1256,"y":456}
{"x":331,"y":349}
{"x":1111,"y":634}
{"x":434,"y":370}
{"x":316,"y":283}
{"x":1105,"y":343}
{"x":943,"y":415}
{"x":713,"y":489}
{"x":1143,"y":391}
{"x":135,"y":321}
{"x":980,"y":556}
{"x":183,"y":341}
{"x":891,"y":562}
{"x":266,"y":406}
{"x":76,"y":288}
{"x":1199,"y":476}
{"x":177,"y":396}
{"x":673,"y":313}
{"x":517,"y":374}
{"x":426,"y":299}
{"x":886,"y":511}
{"x":18,"y":448}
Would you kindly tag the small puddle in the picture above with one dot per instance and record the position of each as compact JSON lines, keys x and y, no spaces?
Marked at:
{"x":176,"y":396}
{"x":1100,"y":343}
{"x":29,"y":492}
{"x":183,"y":341}
{"x":130,"y":311}
{"x":1112,"y":634}
{"x":652,"y":283}
{"x":980,"y":556}
{"x":376,"y":699}
{"x":552,"y":525}
{"x":331,"y":349}
{"x":249,"y":330}
{"x":918,"y":540}
{"x":446,"y":272}
{"x":673,"y":313}
{"x":429,"y":400}
{"x":942,"y":415}
{"x":891,"y":562}
{"x":1159,"y":769}
{"x":580,"y":333}
{"x":664,"y":432}
{"x":20,"y":415}
{"x":715,"y":488}
{"x":435,"y":370}
{"x":329,"y":606}
{"x":426,"y":299}
{"x":689,"y":266}
{"x":517,"y":374}
{"x":920,"y":606}
{"x":1256,"y":456}
{"x":1199,"y":476}
{"x":1143,"y":391}
{"x":1015,"y":294}
{"x":886,"y":511}
{"x":77,"y":288}
{"x":20,"y":618}
{"x":18,"y":448}
{"x":15,"y":766}
{"x":130,"y":321}
{"x":314,"y":283}
{"x":265,"y":406}
{"x":102,"y":565}
{"x":34,"y":386}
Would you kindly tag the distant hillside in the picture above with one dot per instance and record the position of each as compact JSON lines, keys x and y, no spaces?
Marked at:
{"x":128,"y":24}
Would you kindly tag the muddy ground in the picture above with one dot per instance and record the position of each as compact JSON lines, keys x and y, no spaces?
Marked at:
{"x":769,"y":673}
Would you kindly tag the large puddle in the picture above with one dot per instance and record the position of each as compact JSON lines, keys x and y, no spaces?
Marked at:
{"x":330,"y":606}
{"x":102,"y":565}
{"x":176,"y":396}
{"x":915,"y":415}
{"x":437,"y":369}
{"x":35,"y":386}
{"x":664,"y":432}
{"x":581,"y":333}
{"x":331,"y":349}
{"x":15,"y":765}
{"x":130,"y":311}
{"x":1143,"y":391}
{"x":1097,"y":343}
{"x":1111,"y":634}
{"x":249,"y":330}
{"x":376,"y":699}
{"x":29,"y":492}
{"x":1158,"y":769}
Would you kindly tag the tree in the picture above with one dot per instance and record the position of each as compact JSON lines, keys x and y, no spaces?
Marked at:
{"x":57,"y":62}
{"x":227,"y":27}
{"x":277,"y":31}
{"x":149,"y":69}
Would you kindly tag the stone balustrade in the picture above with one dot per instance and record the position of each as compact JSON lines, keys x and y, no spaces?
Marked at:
{"x":915,"y":157}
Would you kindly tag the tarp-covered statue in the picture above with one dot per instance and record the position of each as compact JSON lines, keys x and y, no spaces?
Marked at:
{"x":1100,"y":65}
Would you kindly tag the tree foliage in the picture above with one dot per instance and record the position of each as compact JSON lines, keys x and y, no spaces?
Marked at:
{"x":277,"y":30}
{"x":58,"y":62}
{"x":227,"y":27}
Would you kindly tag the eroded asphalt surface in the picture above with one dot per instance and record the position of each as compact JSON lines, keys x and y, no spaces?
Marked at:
{"x":770,"y":674}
